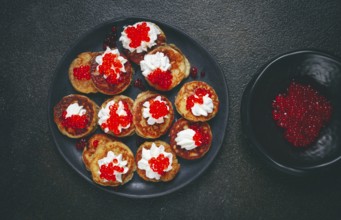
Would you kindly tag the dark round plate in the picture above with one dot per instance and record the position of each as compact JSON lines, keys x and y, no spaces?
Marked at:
{"x":322,"y":72}
{"x":198,"y":57}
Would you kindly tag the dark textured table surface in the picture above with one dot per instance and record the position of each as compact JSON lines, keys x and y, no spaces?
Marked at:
{"x":37,"y":183}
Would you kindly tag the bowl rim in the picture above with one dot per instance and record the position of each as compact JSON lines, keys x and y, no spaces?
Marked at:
{"x":245,"y":117}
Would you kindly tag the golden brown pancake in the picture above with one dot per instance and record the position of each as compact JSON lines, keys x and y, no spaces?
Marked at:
{"x":103,"y":86}
{"x":117,"y":148}
{"x":167,"y":176}
{"x":204,"y":130}
{"x":142,"y":128}
{"x":84,"y":85}
{"x":91,"y":115}
{"x":125,"y":99}
{"x":137,"y":57}
{"x":189,"y":89}
{"x":95,"y":141}
{"x":180,"y":66}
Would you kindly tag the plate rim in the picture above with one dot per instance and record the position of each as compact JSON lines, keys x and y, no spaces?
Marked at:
{"x":197,"y":44}
{"x":245,"y":116}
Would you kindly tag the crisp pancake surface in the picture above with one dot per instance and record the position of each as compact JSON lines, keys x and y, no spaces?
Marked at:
{"x":198,"y":152}
{"x":91,"y":114}
{"x":125,"y":99}
{"x":167,"y":176}
{"x":84,"y":85}
{"x":117,"y":148}
{"x":136,"y":57}
{"x":179,"y":66}
{"x":142,"y":128}
{"x":189,"y":89}
{"x":93,"y":143}
{"x":103,"y":86}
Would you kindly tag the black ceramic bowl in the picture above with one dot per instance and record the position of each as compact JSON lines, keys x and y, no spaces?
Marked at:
{"x":323,"y":73}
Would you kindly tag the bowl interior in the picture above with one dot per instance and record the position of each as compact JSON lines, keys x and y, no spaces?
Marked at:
{"x":307,"y":67}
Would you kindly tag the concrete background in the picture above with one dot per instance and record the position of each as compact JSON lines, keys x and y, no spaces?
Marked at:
{"x":37,"y":183}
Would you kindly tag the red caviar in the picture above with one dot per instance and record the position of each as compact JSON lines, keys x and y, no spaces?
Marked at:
{"x":138,"y":34}
{"x":116,"y":121}
{"x":95,"y":143}
{"x":81,"y":143}
{"x":82,"y":72}
{"x":200,"y":137}
{"x":158,"y":109}
{"x":161,"y":78}
{"x":159,"y":164}
{"x":110,"y":40}
{"x":197,"y":97}
{"x":302,"y":112}
{"x":111,"y":68}
{"x":107,"y":171}
{"x":74,"y":121}
{"x":194,"y":72}
{"x":139,"y":84}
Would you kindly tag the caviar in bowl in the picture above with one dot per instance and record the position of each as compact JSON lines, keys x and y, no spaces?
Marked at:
{"x":310,"y":70}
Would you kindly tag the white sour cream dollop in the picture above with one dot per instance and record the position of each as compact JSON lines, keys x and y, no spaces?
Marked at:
{"x":120,"y":162}
{"x":104,"y":114}
{"x":75,"y":109}
{"x":154,"y":151}
{"x":122,"y":60}
{"x":152,"y":34}
{"x":185,"y":139}
{"x":203,"y":109}
{"x":146,"y":112}
{"x":151,"y":62}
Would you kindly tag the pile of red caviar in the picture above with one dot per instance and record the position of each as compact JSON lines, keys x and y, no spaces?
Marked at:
{"x":82,"y":72}
{"x":197,"y":97}
{"x":74,"y":121}
{"x":161,"y":78}
{"x":138,"y":34}
{"x":111,"y":68}
{"x":107,"y":171}
{"x":302,"y":112}
{"x":200,"y":137}
{"x":159,"y":164}
{"x":158,"y":109}
{"x":116,"y":120}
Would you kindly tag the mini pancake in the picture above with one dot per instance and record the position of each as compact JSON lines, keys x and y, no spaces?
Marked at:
{"x":95,"y":141}
{"x":205,"y":134}
{"x":166,"y":176}
{"x":142,"y":128}
{"x":124,"y":132}
{"x":189,"y":90}
{"x":103,"y":85}
{"x":135,"y":56}
{"x":117,"y":148}
{"x":90,"y":117}
{"x":179,"y":67}
{"x":82,"y":64}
